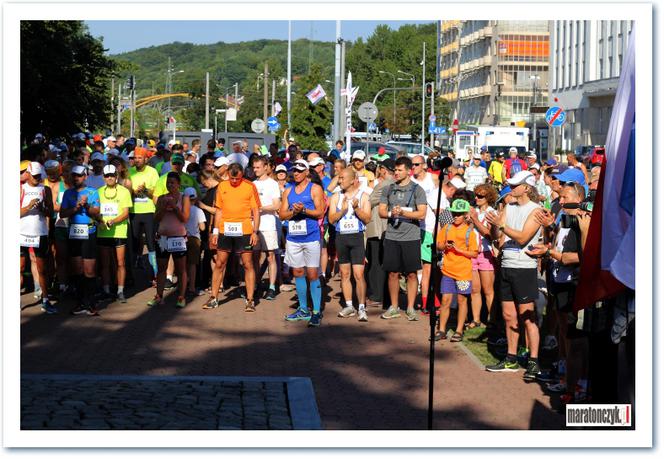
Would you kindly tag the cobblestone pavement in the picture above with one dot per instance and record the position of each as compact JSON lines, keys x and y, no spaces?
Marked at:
{"x":371,"y":375}
{"x":159,"y":403}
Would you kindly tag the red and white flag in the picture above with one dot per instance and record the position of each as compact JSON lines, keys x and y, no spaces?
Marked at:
{"x":316,"y":94}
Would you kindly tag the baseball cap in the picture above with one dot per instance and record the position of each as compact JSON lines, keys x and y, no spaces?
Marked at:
{"x":97,"y":157}
{"x":96,"y":137}
{"x":532,"y":154}
{"x":190,"y":192}
{"x":388,"y":163}
{"x":114,"y":152}
{"x":513,"y":150}
{"x":552,"y":162}
{"x":460,"y":205}
{"x":359,"y":154}
{"x":457,"y":183}
{"x":51,"y":164}
{"x":301,"y":165}
{"x":34,"y":168}
{"x":534,"y":166}
{"x":504,"y":192}
{"x":500,"y":154}
{"x":221,"y":161}
{"x":24,"y":164}
{"x":110,"y":169}
{"x":281,"y":168}
{"x":572,"y":174}
{"x":151,"y":143}
{"x":111,"y":138}
{"x":177,"y":158}
{"x":521,"y":177}
{"x":316,"y":161}
{"x":477,"y":156}
{"x":79,"y":170}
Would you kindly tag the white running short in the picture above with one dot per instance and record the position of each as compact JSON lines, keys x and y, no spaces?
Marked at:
{"x":302,"y":254}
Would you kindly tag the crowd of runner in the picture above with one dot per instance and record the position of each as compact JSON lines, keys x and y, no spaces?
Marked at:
{"x":98,"y":212}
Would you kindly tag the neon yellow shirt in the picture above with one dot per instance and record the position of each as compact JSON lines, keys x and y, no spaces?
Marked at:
{"x":148,"y":177}
{"x":111,"y":203}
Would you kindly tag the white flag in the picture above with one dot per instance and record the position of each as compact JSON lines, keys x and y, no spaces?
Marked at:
{"x":277,"y":108}
{"x":316,"y":94}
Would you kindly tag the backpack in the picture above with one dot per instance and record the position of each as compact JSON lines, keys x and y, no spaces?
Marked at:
{"x":515,"y":167}
{"x":468,"y":232}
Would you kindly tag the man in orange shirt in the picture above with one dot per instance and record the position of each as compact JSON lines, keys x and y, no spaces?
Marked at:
{"x":458,"y":242}
{"x":235,"y":230}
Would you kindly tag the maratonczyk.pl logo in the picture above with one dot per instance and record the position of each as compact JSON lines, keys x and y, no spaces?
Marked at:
{"x":599,"y":415}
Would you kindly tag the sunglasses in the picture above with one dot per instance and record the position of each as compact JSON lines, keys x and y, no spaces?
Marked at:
{"x":77,"y":175}
{"x":109,"y":175}
{"x":299,"y":171}
{"x":415,"y":165}
{"x":480,"y":196}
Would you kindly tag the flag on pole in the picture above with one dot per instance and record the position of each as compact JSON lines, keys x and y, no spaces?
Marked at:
{"x":608,"y":257}
{"x":277,"y":108}
{"x":316,"y":94}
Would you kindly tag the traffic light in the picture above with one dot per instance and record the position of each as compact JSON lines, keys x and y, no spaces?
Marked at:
{"x":381,"y":124}
{"x":429,"y":89}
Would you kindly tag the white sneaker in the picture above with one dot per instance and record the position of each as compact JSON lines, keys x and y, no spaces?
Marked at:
{"x":362,"y":316}
{"x":348,"y":311}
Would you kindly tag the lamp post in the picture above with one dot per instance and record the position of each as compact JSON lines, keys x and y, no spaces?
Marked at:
{"x":535,"y":79}
{"x":394,"y":97}
{"x":216,"y":112}
{"x":410,"y":75}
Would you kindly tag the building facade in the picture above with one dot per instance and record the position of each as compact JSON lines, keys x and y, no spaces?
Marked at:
{"x":493,"y":72}
{"x":585,"y":63}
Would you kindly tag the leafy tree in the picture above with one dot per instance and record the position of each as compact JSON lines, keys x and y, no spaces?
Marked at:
{"x":311,"y":123}
{"x":65,"y":79}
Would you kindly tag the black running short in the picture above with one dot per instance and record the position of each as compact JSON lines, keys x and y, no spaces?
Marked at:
{"x":350,"y":248}
{"x":519,"y":285}
{"x":85,"y":248}
{"x":401,"y":256}
{"x":234,"y":244}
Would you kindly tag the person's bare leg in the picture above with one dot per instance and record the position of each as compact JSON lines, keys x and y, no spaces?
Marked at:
{"x":462,"y":312}
{"x":393,"y":288}
{"x":360,"y":284}
{"x":218,"y":272}
{"x":411,"y":290}
{"x":249,"y":274}
{"x":527,"y":313}
{"x":444,"y":312}
{"x":476,"y":296}
{"x":346,"y":286}
{"x":511,"y":326}
{"x":487,"y":279}
{"x":181,"y":270}
{"x":122,"y":269}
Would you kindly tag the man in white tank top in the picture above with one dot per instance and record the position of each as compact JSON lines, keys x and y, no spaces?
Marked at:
{"x":516,"y":229}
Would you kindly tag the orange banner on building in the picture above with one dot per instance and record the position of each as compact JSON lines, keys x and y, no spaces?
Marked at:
{"x":523,"y":48}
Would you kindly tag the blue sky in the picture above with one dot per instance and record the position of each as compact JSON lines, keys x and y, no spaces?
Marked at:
{"x":123,"y":36}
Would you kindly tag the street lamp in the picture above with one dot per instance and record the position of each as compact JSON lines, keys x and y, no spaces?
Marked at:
{"x":535,"y":79}
{"x":216,"y":112}
{"x":411,"y":79}
{"x":394,"y":98}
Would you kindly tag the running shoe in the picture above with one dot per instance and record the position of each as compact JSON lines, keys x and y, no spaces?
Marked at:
{"x":412,"y":316}
{"x":271,"y":294}
{"x":121,"y":297}
{"x":181,"y":302}
{"x":391,"y":313}
{"x":532,"y":371}
{"x":211,"y":304}
{"x":362,"y":316}
{"x":315,"y":320}
{"x":37,"y":293}
{"x":169,"y":284}
{"x":249,"y":306}
{"x":82,"y":310}
{"x":348,"y":311}
{"x":547,"y":376}
{"x":299,"y":314}
{"x":48,"y":308}
{"x":156,"y":301}
{"x":503,"y":366}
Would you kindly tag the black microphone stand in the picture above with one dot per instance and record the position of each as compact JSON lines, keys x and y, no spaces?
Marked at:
{"x":445,"y":163}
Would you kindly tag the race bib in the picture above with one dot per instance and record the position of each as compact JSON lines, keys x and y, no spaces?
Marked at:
{"x":297,"y":228}
{"x":232,"y":229}
{"x":78,"y":231}
{"x":109,"y":209}
{"x":176,"y":244}
{"x":60,"y":195}
{"x":29,"y":241}
{"x":349,"y":226}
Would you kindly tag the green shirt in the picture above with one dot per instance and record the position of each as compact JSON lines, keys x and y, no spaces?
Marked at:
{"x":111,"y":203}
{"x":148,"y":177}
{"x":379,"y":158}
{"x":186,"y":181}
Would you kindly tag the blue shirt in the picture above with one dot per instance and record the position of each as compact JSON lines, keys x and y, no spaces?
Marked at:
{"x":313,"y":233}
{"x":69,"y":200}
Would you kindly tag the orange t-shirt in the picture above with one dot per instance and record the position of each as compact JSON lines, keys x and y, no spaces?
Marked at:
{"x":236,"y":204}
{"x":457,"y":266}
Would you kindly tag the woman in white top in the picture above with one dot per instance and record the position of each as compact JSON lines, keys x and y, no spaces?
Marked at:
{"x":483,"y":266}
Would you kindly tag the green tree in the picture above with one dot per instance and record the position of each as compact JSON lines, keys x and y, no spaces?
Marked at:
{"x":65,"y":79}
{"x":311,"y":123}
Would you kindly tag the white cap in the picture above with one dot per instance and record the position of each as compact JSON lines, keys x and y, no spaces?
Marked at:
{"x":96,"y":156}
{"x":522,"y":177}
{"x":237,"y":142}
{"x":280,"y":168}
{"x":477,"y":156}
{"x":359,"y":154}
{"x":532,"y":155}
{"x":110,"y":138}
{"x":190,"y":192}
{"x":79,"y":169}
{"x":221,"y":161}
{"x":534,"y":166}
{"x":457,"y":183}
{"x":34,"y":168}
{"x":316,"y":161}
{"x":301,"y":165}
{"x":51,"y":164}
{"x":110,"y":169}
{"x":513,"y":150}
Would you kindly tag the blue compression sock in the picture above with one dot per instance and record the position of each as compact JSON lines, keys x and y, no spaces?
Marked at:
{"x":301,"y":287}
{"x":152,"y":258}
{"x":315,"y":294}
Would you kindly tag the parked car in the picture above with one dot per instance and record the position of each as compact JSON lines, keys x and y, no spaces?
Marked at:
{"x":373,"y":148}
{"x":411,"y":148}
{"x":597,"y":156}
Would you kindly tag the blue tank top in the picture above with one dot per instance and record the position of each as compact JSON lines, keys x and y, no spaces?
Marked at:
{"x":349,"y":223}
{"x":302,"y":228}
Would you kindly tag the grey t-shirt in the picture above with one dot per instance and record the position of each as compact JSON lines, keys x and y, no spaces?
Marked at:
{"x":407,"y":197}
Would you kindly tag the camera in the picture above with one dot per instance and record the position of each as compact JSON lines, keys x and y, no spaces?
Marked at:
{"x":569,"y":221}
{"x":439,"y":163}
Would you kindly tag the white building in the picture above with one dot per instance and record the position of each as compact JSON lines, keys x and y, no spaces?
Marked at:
{"x":584,"y":69}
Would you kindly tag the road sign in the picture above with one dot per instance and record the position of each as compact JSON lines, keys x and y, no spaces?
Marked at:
{"x":367,"y":112}
{"x":272,"y":121}
{"x":274,"y":127}
{"x":231,"y":114}
{"x":440,"y":130}
{"x":432,"y":129}
{"x":555,"y":116}
{"x":258,"y":125}
{"x":371,"y":126}
{"x":432,"y":118}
